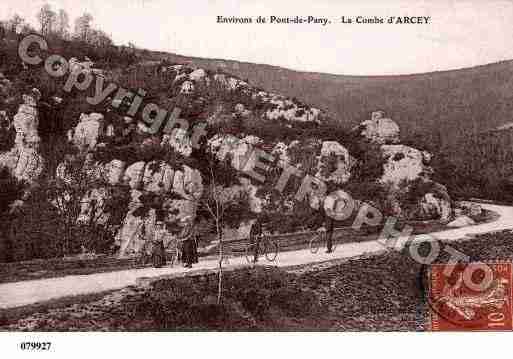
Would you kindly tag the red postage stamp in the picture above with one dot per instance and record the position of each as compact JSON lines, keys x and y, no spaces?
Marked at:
{"x":471,"y":296}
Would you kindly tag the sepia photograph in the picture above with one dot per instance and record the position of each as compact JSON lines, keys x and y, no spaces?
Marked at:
{"x":223,"y":166}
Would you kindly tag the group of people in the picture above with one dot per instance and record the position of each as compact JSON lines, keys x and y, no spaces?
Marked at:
{"x":188,"y":242}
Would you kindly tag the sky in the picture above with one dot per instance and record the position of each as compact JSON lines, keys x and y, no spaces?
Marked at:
{"x":460,"y":34}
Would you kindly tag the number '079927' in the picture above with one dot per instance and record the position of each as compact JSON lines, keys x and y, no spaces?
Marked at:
{"x":35,"y":346}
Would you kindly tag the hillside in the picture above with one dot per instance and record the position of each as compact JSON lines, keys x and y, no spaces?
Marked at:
{"x":476,"y":98}
{"x":129,"y":182}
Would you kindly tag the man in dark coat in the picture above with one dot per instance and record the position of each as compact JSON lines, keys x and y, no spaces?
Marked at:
{"x":330,"y":224}
{"x":188,"y":238}
{"x":158,"y":253}
{"x":255,"y":234}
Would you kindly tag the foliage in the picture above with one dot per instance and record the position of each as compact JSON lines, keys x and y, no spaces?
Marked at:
{"x":182,"y":305}
{"x":10,"y":190}
{"x":53,"y":221}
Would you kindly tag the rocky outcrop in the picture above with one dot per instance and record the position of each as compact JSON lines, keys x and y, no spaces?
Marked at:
{"x":24,"y":160}
{"x":277,"y":107}
{"x":461,"y":221}
{"x":404,"y":163}
{"x":335,"y":163}
{"x":469,"y":208}
{"x":177,"y":187}
{"x":379,"y":129}
{"x":237,"y":150}
{"x":282,"y":108}
{"x":76,"y":66}
{"x":406,"y":176}
{"x":161,"y":179}
{"x":179,"y":141}
{"x":434,"y":207}
{"x":187,"y":88}
{"x":87,"y":132}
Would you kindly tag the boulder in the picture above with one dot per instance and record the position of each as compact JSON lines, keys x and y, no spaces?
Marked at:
{"x":403,"y":163}
{"x":197,"y":75}
{"x":379,"y":129}
{"x":114,"y":171}
{"x":283,"y":108}
{"x":179,"y":141}
{"x":469,"y":208}
{"x":241,"y":111}
{"x":134,"y":174}
{"x":433,"y":207}
{"x":131,"y":237}
{"x":88,"y":130}
{"x":24,"y":159}
{"x":461,"y":221}
{"x":280,"y":151}
{"x":30,"y":164}
{"x":158,"y":177}
{"x":187,"y":88}
{"x":188,"y":183}
{"x":239,"y":149}
{"x":339,"y":171}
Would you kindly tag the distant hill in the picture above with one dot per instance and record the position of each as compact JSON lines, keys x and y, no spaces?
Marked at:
{"x":441,"y":104}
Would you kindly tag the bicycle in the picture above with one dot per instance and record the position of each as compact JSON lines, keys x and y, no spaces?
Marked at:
{"x":318,"y":241}
{"x":266,"y":246}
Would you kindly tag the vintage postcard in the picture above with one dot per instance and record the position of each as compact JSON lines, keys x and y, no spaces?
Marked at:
{"x":221,"y":166}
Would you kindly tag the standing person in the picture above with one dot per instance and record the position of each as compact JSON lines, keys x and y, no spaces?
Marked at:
{"x":255,"y":235}
{"x":158,"y":252}
{"x":187,"y":238}
{"x":330,"y":224}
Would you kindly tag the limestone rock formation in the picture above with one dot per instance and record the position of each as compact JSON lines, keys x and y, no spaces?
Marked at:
{"x":335,"y":163}
{"x":404,"y":163}
{"x":283,"y":108}
{"x":461,"y":221}
{"x":379,"y":129}
{"x":88,"y":130}
{"x":179,"y":141}
{"x":434,"y":207}
{"x":277,"y":107}
{"x":24,"y":159}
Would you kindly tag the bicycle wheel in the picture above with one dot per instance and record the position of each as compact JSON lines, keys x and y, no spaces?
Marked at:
{"x":315,"y":243}
{"x":271,"y":250}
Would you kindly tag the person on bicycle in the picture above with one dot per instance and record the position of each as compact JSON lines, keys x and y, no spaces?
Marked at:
{"x":255,"y":235}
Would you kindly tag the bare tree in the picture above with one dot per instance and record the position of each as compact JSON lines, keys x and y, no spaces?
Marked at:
{"x":16,"y":23}
{"x":99,"y":38}
{"x":83,"y":27}
{"x":224,"y":207}
{"x":63,"y":24}
{"x":47,"y":19}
